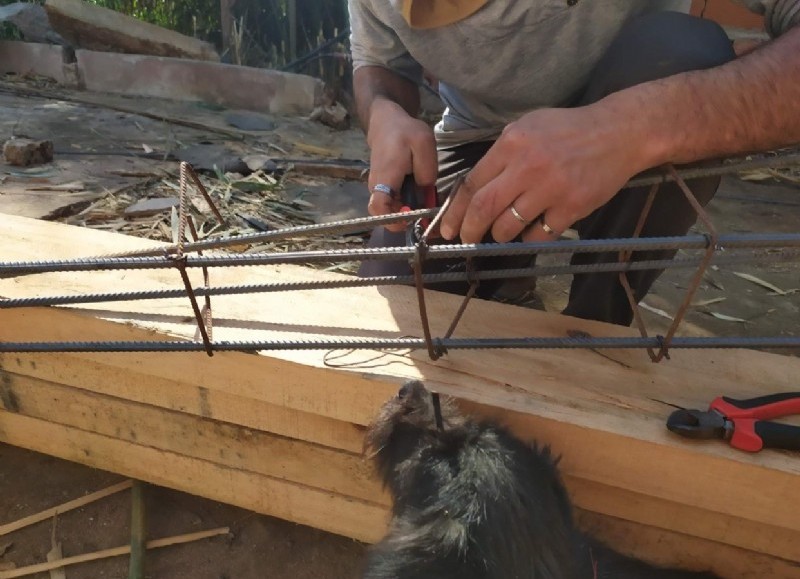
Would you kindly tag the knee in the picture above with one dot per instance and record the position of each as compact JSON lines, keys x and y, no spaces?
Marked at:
{"x":676,"y":42}
{"x":658,"y":45}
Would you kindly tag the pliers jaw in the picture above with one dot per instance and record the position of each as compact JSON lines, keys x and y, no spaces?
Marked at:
{"x":700,"y":424}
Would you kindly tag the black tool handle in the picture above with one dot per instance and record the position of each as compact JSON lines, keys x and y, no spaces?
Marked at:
{"x":763,"y":400}
{"x":760,"y":408}
{"x":409,"y":194}
{"x":777,"y":435}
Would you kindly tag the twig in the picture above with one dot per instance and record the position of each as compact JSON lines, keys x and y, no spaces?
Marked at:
{"x":71,"y":505}
{"x":114,"y":552}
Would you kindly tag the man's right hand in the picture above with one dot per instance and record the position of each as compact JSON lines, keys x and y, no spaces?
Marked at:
{"x":400,"y":145}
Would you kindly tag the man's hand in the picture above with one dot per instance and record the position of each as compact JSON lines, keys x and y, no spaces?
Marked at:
{"x":560,"y":164}
{"x":400,"y":145}
{"x":563,"y":164}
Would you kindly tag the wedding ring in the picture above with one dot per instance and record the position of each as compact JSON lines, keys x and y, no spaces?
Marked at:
{"x":517,"y":216}
{"x":545,"y":227}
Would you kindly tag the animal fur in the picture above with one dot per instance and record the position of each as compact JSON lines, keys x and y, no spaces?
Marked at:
{"x":471,"y":501}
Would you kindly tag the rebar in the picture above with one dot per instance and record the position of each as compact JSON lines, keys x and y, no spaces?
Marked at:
{"x":551,"y":343}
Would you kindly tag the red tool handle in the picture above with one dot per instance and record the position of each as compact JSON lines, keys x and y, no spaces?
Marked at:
{"x":751,"y":431}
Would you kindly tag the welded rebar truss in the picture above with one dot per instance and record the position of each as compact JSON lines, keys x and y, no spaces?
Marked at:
{"x":715,"y":249}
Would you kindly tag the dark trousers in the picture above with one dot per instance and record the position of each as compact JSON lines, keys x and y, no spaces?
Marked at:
{"x":648,"y":48}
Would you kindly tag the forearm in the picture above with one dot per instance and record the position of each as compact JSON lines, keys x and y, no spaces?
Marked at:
{"x":749,"y":104}
{"x":374,"y":83}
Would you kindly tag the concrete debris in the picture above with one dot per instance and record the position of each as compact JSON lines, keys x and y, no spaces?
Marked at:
{"x":333,"y":115}
{"x":24,"y":152}
{"x":85,"y":25}
{"x":32,"y":22}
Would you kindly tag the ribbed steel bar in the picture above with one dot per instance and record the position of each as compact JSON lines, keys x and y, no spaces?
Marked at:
{"x":408,"y":344}
{"x":431,"y":278}
{"x":778,"y":160}
{"x":732,"y":241}
{"x":331,"y":228}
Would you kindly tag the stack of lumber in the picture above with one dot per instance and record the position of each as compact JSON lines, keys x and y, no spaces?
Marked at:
{"x":281,"y":432}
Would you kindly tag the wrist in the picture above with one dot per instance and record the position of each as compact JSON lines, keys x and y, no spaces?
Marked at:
{"x":381,"y":110}
{"x":639,"y":127}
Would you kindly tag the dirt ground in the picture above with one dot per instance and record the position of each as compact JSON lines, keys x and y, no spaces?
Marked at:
{"x":99,"y":148}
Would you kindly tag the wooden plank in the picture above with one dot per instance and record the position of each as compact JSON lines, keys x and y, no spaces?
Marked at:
{"x":606,"y":417}
{"x":339,"y":472}
{"x":350,"y":517}
{"x":688,"y":521}
{"x":666,"y":548}
{"x":85,"y":25}
{"x":339,"y":395}
{"x":507,"y":415}
{"x":256,"y":493}
{"x":229,"y":445}
{"x":186,"y":394}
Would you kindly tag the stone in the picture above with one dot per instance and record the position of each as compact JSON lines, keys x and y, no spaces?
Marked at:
{"x":24,"y":152}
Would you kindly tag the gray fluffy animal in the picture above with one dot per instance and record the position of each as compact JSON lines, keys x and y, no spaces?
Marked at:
{"x":471,"y":501}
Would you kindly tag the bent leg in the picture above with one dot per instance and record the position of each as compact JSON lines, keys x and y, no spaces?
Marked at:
{"x":651,"y":47}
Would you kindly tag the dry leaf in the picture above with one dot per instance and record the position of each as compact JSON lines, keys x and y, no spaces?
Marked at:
{"x":726,"y":318}
{"x":702,"y":303}
{"x":761,"y":282}
{"x":656,"y":311}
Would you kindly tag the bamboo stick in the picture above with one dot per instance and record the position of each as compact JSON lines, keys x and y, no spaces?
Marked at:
{"x":138,"y":531}
{"x":60,"y":509}
{"x":113,"y":552}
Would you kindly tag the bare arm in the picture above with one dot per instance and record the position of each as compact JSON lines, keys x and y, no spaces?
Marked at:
{"x":400,"y":143}
{"x":564,"y":164}
{"x":750,"y":104}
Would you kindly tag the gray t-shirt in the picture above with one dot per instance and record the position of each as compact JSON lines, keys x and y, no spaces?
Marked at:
{"x":511,"y":56}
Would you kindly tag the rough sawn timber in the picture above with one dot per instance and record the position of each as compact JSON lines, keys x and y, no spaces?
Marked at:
{"x":219,"y":426}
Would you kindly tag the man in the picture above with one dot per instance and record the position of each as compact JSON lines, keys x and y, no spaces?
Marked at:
{"x":553,"y":105}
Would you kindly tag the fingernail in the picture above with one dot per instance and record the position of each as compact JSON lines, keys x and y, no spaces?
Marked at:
{"x":446,"y":231}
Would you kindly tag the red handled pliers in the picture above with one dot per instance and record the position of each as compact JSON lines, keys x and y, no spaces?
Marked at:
{"x":745,"y":423}
{"x":412,"y":197}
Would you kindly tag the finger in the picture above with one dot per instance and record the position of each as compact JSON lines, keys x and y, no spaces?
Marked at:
{"x":516,"y":218}
{"x":462,"y":205}
{"x":425,"y":159}
{"x":489,"y":203}
{"x":460,"y":199}
{"x":385,"y":180}
{"x":482,"y":196}
{"x":520,"y":213}
{"x":382,"y":202}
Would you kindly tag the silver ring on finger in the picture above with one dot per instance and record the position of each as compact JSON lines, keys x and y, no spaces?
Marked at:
{"x":517,"y":215}
{"x":383,"y":188}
